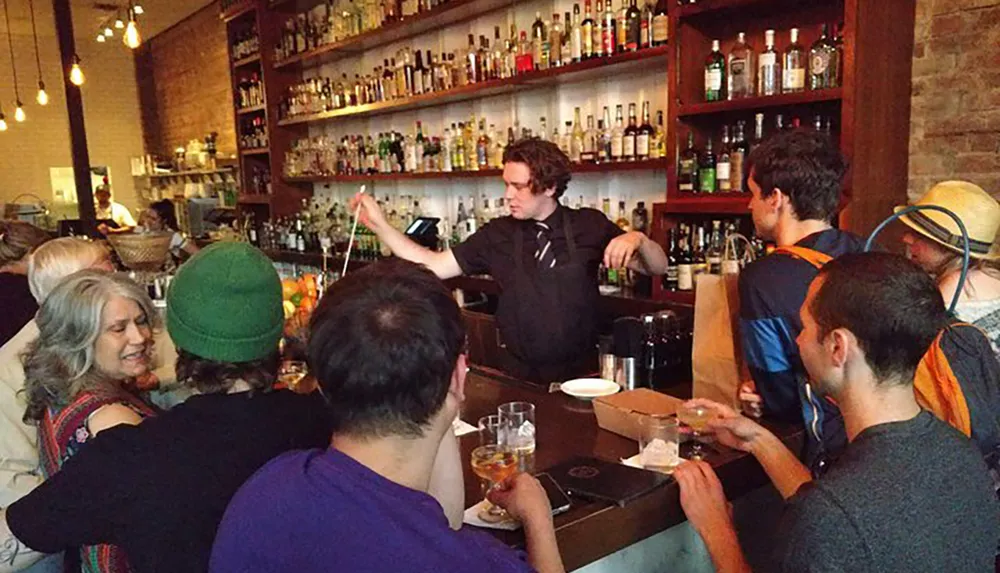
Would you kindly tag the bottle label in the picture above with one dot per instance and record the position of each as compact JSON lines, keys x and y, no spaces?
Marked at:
{"x":685,"y":277}
{"x":660,"y":22}
{"x":687,"y":174}
{"x":819,"y":63}
{"x":715,"y":265}
{"x":607,"y":40}
{"x":768,"y":59}
{"x":706,"y":180}
{"x":628,"y":146}
{"x":576,"y":49}
{"x":616,"y":147}
{"x":642,"y":145}
{"x":722,"y":173}
{"x":588,"y":40}
{"x":795,"y":79}
{"x":713,"y":80}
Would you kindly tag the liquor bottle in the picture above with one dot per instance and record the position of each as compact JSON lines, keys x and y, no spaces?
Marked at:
{"x":567,"y":37}
{"x":631,"y":135}
{"x":779,"y":123}
{"x":623,"y":223}
{"x":768,"y":68}
{"x":685,"y":261}
{"x":715,"y":248}
{"x":496,"y":149}
{"x":419,"y":146}
{"x":483,"y":146}
{"x":758,"y":131}
{"x":621,"y":34}
{"x":660,"y":23}
{"x":673,"y":259}
{"x":598,"y":32}
{"x":604,"y":139}
{"x":566,"y":139}
{"x":741,"y":69}
{"x":429,"y":73}
{"x":498,"y":58}
{"x":723,"y":168}
{"x":794,"y":65}
{"x":838,"y":43}
{"x":555,"y":42}
{"x":661,"y":138}
{"x":484,"y":55}
{"x":699,"y":263}
{"x":587,"y":33}
{"x":640,"y":218}
{"x":589,"y":152}
{"x":472,"y":71}
{"x":609,"y":30}
{"x":418,"y":75}
{"x":687,"y":168}
{"x":539,"y":37}
{"x":617,"y":136}
{"x":525,"y":55}
{"x":646,"y":34}
{"x":737,"y":155}
{"x":823,"y":62}
{"x":577,"y":138}
{"x":707,"y":182}
{"x":633,"y":32}
{"x":576,"y":36}
{"x":644,"y":135}
{"x":543,"y":132}
{"x":715,"y":74}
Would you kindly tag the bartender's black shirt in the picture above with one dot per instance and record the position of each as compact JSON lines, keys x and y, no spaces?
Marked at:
{"x":18,"y":305}
{"x":490,"y":250}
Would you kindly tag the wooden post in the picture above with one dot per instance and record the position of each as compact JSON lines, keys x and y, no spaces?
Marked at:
{"x":77,"y":127}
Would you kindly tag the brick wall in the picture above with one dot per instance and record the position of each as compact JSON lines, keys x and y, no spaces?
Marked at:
{"x":184,"y":84}
{"x":955,"y":120}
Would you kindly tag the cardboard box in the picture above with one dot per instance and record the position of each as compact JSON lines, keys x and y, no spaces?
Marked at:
{"x":620,"y":413}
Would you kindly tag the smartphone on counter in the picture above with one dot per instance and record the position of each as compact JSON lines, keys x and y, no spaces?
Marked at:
{"x":558,"y":499}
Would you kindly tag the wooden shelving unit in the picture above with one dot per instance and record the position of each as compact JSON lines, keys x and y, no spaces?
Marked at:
{"x":255,"y":151}
{"x":756,"y":104}
{"x":247,"y":61}
{"x":250,"y":199}
{"x":571,"y":73}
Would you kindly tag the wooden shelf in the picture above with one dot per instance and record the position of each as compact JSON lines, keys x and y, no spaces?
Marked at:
{"x":651,"y":165}
{"x":452,"y":12}
{"x":190,"y":173}
{"x":248,"y":199}
{"x":713,"y":8}
{"x":246,"y":61}
{"x":249,"y":110}
{"x":582,"y":71}
{"x":708,"y":204}
{"x":755,"y":103}
{"x":238,"y":9}
{"x":260,"y":151}
{"x":678,"y":296}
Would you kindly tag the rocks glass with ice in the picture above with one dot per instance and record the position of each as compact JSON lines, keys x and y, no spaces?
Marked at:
{"x":517,"y":431}
{"x":659,"y":443}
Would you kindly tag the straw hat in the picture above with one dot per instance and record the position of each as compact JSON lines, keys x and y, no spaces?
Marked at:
{"x":976,"y":208}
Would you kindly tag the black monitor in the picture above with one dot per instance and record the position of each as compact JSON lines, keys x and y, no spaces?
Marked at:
{"x":424,"y":231}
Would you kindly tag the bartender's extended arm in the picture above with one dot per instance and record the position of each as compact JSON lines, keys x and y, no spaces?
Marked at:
{"x":636,"y":251}
{"x":443,"y":264}
{"x":14,"y":555}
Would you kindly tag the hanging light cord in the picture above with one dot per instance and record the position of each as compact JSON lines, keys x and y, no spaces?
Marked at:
{"x":10,"y":44}
{"x":34,"y":32}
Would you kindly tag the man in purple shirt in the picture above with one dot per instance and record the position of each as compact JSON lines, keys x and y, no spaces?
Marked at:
{"x":387,"y":348}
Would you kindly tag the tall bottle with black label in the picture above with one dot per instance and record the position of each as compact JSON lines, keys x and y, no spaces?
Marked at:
{"x":673,"y":260}
{"x":685,"y":263}
{"x":633,"y":34}
{"x":631,"y":134}
{"x":687,"y":167}
{"x":644,"y":136}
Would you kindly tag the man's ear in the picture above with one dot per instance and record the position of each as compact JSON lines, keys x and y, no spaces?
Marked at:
{"x":839,"y":344}
{"x":550,"y":192}
{"x":457,"y":386}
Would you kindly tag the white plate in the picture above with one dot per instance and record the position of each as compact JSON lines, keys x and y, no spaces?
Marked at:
{"x":608,"y":289}
{"x":589,"y":388}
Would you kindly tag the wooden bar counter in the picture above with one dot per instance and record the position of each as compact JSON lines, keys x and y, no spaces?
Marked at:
{"x":567,"y":427}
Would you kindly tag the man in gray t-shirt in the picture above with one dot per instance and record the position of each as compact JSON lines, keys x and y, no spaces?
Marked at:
{"x":910,"y":493}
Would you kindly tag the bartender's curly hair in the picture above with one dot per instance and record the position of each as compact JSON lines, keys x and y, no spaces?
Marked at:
{"x":550,"y":168}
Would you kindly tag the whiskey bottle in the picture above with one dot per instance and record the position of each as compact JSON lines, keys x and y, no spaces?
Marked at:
{"x":661,"y":139}
{"x":631,"y":135}
{"x":622,"y":221}
{"x":644,"y":136}
{"x":576,"y":36}
{"x":617,"y":136}
{"x":723,"y":168}
{"x":589,"y":152}
{"x":715,"y":72}
{"x":685,"y":266}
{"x":687,"y":168}
{"x":633,"y":32}
{"x":768,"y":68}
{"x":587,"y":33}
{"x":823,"y":62}
{"x":673,"y":259}
{"x":539,"y":39}
{"x":794,"y":65}
{"x":577,"y":139}
{"x":609,"y":30}
{"x":737,"y":155}
{"x":599,"y":30}
{"x":556,"y":42}
{"x":661,"y":23}
{"x":741,"y":69}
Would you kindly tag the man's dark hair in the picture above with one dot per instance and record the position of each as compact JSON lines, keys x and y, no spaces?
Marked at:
{"x":806,"y":166}
{"x":890,"y":305}
{"x":212,"y":377}
{"x":550,"y":168}
{"x":383,"y":345}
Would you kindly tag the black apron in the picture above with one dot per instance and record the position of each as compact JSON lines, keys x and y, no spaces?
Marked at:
{"x":547,"y":317}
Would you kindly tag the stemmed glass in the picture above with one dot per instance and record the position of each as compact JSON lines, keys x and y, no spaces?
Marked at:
{"x":291,"y":373}
{"x":493,"y":463}
{"x":696,"y":418}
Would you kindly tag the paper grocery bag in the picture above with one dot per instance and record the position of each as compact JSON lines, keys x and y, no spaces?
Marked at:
{"x":716,"y":356}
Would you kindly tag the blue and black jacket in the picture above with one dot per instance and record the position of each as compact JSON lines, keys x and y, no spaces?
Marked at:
{"x":772,"y":290}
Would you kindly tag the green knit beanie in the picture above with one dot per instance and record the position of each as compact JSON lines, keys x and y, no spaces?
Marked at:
{"x":225,"y":304}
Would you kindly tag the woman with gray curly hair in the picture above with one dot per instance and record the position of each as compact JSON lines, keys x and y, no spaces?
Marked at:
{"x":95,"y":336}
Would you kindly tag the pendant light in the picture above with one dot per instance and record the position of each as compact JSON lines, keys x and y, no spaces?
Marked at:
{"x":19,"y":114}
{"x":42,"y":98}
{"x":75,"y":73}
{"x":119,"y":24}
{"x":131,"y":37}
{"x":138,"y":10}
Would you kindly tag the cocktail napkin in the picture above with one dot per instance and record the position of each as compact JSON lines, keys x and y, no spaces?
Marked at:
{"x":471,"y":517}
{"x":461,"y":428}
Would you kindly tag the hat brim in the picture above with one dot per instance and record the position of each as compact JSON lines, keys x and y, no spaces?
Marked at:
{"x":992,"y":255}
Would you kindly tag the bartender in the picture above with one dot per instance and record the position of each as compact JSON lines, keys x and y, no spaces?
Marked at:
{"x":108,"y":210}
{"x":545,"y":258}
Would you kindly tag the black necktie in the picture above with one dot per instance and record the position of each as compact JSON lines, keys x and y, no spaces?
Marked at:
{"x":545,"y":256}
